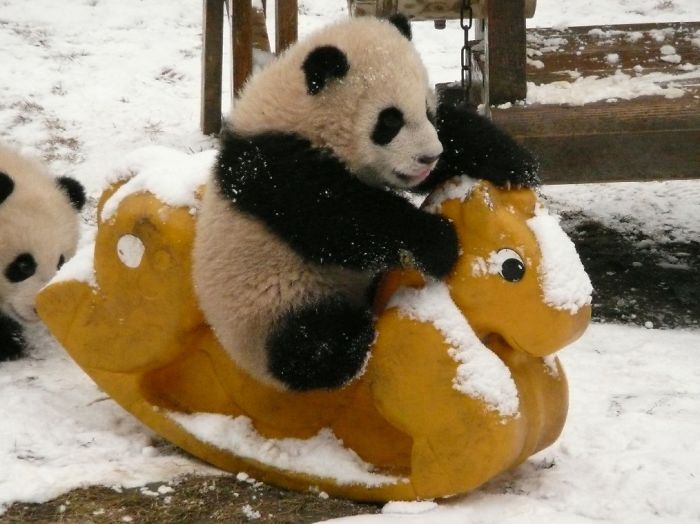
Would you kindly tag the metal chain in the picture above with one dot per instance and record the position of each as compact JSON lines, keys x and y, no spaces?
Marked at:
{"x":465,"y":21}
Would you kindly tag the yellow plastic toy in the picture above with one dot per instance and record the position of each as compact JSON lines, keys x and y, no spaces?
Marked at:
{"x":442,"y":407}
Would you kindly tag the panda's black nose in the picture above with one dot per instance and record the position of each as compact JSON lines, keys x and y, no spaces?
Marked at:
{"x":427,"y":160}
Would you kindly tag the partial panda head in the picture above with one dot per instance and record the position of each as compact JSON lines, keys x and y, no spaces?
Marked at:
{"x":38,"y":230}
{"x":358,"y":88}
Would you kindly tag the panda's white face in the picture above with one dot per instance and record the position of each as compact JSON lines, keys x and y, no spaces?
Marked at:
{"x":38,"y":231}
{"x":23,"y":275}
{"x":398,"y":144}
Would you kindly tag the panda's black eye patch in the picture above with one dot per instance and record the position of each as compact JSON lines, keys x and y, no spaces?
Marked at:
{"x":389,"y":123}
{"x":61,"y":261}
{"x":21,"y":268}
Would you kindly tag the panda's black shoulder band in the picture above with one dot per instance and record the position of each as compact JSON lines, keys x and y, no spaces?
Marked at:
{"x":310,"y":200}
{"x":7,"y":185}
{"x":322,"y":65}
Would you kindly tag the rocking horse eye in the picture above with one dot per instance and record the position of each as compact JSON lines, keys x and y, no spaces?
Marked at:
{"x":512,"y":267}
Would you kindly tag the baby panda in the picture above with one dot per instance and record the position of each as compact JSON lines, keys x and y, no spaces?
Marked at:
{"x":302,"y":214}
{"x":38,"y":233}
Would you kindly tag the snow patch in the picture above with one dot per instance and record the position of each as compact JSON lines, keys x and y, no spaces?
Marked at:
{"x":322,"y":455}
{"x":172,"y":176}
{"x":80,"y":268}
{"x":564,"y":282}
{"x":588,"y":89}
{"x":480,"y":373}
{"x":397,"y":507}
{"x":671,"y":59}
{"x":457,"y":188}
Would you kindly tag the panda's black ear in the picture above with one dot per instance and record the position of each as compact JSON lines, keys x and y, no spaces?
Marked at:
{"x":402,"y":24}
{"x":74,"y":190}
{"x":323,"y":64}
{"x":7,"y":186}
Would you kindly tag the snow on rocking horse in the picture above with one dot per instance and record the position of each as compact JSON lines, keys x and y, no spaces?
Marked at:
{"x":461,"y":383}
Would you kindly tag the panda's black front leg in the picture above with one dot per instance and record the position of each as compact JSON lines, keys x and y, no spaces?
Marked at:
{"x":11,"y":338}
{"x":475,"y":147}
{"x":325,"y":213}
{"x":321,"y":345}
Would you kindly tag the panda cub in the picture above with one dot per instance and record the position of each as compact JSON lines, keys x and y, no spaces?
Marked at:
{"x":38,"y":233}
{"x":301,"y":215}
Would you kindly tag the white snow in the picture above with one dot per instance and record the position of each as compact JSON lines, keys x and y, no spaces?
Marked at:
{"x":167,"y":173}
{"x":458,"y":188}
{"x":80,"y":267}
{"x":408,"y":508}
{"x":60,"y":432}
{"x":85,"y":83}
{"x":565,"y":284}
{"x":588,"y":89}
{"x":480,"y":374}
{"x":322,"y":455}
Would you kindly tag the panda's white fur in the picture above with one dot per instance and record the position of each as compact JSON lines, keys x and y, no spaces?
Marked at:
{"x":384,"y":67}
{"x":36,"y":218}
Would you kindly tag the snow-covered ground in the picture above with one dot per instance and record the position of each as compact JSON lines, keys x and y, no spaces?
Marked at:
{"x":85,"y":82}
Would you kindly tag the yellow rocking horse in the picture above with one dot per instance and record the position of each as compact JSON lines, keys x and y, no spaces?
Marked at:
{"x":459,"y":386}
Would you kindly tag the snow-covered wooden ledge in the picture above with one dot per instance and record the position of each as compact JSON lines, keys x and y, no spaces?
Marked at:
{"x":611,"y":103}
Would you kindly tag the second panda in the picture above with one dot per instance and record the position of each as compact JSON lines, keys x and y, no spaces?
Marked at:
{"x":301,"y":214}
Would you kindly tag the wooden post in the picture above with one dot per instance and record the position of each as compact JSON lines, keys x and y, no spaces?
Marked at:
{"x":242,"y":42}
{"x":285,"y":24}
{"x":505,"y":51}
{"x":212,"y":48}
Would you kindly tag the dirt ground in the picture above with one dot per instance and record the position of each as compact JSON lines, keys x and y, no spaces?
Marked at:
{"x":637,"y":281}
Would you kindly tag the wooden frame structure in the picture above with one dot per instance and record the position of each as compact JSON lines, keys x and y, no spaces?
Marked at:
{"x":243,"y":38}
{"x":646,"y":138}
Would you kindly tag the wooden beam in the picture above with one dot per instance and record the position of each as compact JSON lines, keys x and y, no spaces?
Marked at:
{"x":647,"y":138}
{"x":212,"y":49}
{"x":242,"y":41}
{"x":286,"y":20}
{"x":505,"y":51}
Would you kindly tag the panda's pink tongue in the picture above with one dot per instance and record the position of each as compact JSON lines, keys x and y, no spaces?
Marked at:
{"x":422,"y":174}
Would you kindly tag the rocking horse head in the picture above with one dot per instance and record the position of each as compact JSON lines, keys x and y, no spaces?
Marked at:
{"x":519,"y":276}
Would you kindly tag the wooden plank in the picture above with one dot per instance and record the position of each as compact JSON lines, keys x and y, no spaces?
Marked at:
{"x":561,"y":54}
{"x":242,"y":42}
{"x":212,"y":49}
{"x":647,"y":138}
{"x":505,"y":51}
{"x":286,"y":15}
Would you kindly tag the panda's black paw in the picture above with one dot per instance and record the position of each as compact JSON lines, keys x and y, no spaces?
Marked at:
{"x":515,"y":167}
{"x":475,"y":147}
{"x":437,"y":247}
{"x":320,"y":346}
{"x":12,"y":341}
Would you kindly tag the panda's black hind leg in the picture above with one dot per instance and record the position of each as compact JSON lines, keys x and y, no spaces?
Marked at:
{"x":11,"y":338}
{"x":320,"y":346}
